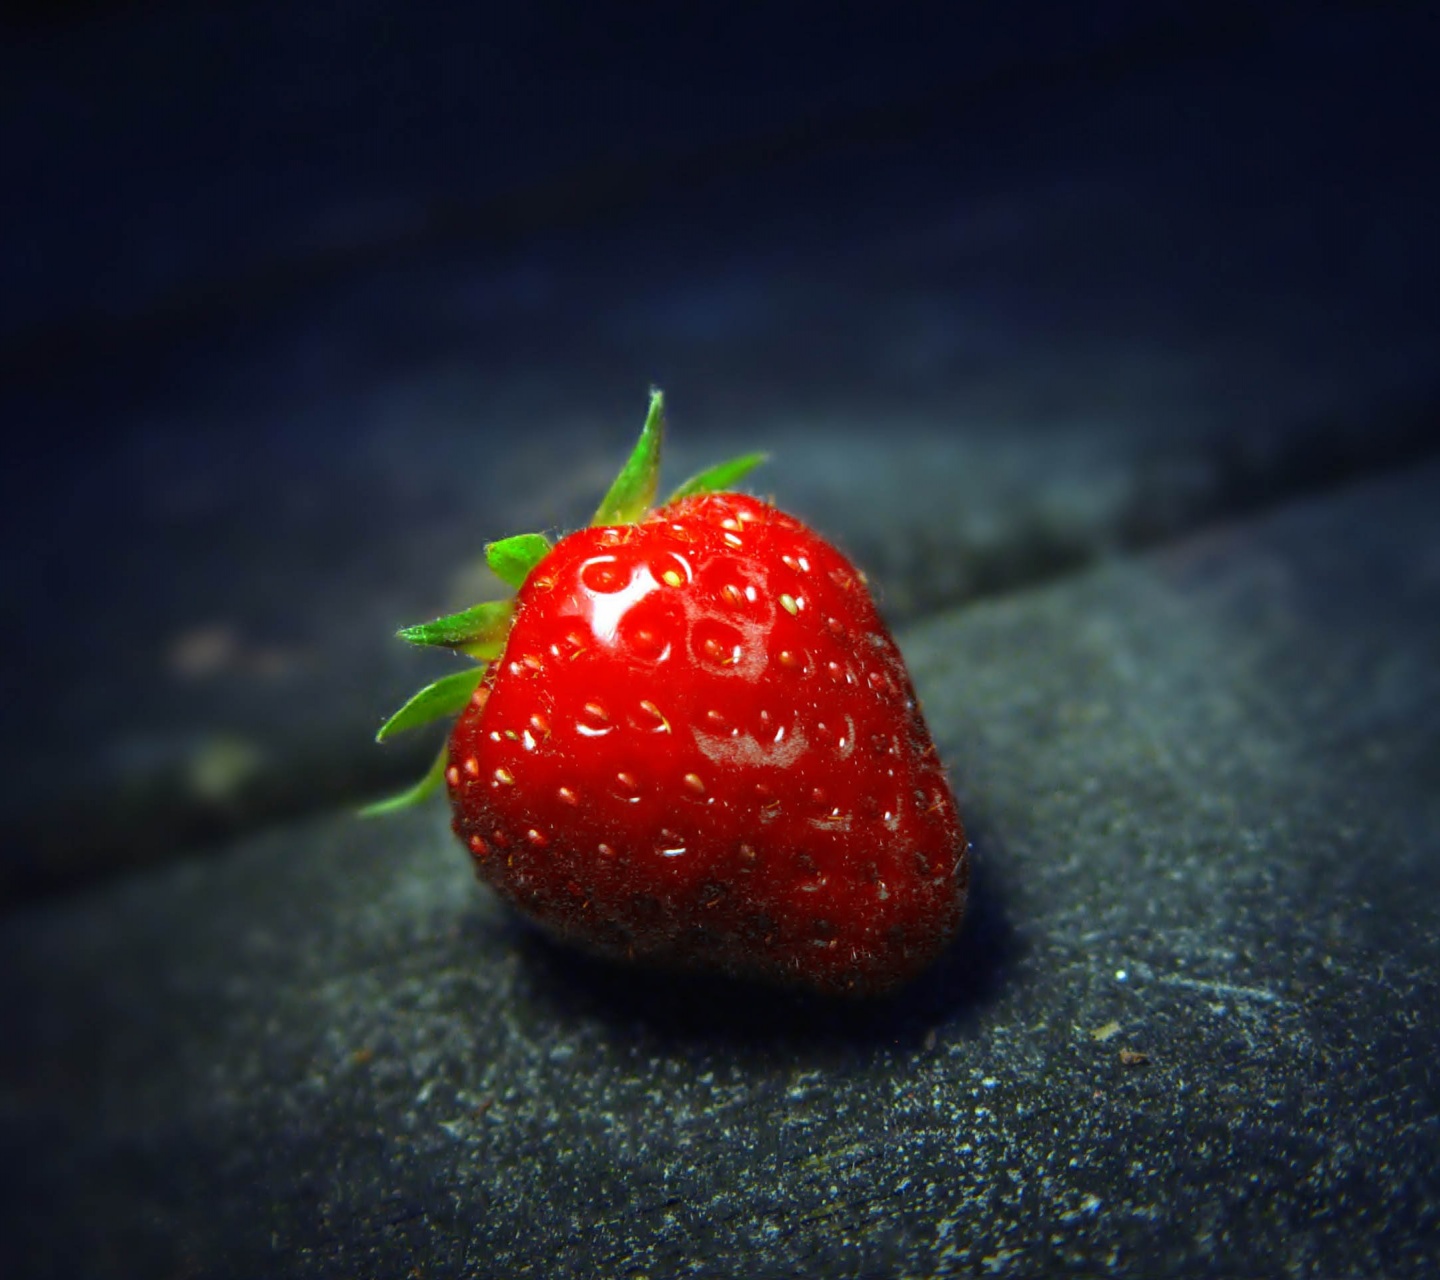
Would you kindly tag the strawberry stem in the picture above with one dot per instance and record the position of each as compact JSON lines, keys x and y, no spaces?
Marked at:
{"x":511,"y":559}
{"x":479,"y":630}
{"x":633,"y":492}
{"x":446,"y":697}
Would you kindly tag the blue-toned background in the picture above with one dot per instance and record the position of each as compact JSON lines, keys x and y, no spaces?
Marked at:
{"x":1104,"y":336}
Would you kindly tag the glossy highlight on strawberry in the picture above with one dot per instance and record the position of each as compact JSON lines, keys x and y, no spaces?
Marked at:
{"x":695,"y":744}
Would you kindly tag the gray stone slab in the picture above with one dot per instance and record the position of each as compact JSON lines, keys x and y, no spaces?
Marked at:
{"x":1204,"y":788}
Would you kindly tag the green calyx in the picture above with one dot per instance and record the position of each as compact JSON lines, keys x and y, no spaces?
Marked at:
{"x":716,"y":479}
{"x":632,"y":496}
{"x":633,"y":490}
{"x":411,"y":796}
{"x":480,"y":632}
{"x":446,"y":697}
{"x":511,"y":559}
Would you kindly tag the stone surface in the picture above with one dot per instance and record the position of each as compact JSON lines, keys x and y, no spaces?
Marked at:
{"x":1204,"y":788}
{"x":1072,"y":304}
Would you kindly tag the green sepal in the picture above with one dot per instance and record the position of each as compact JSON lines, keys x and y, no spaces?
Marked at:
{"x":631,"y":496}
{"x":511,"y":559}
{"x":446,"y":697}
{"x":422,"y":790}
{"x":722,"y":476}
{"x":479,"y":630}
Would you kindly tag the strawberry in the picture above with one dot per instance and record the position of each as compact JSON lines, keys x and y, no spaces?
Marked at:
{"x":694,"y":743}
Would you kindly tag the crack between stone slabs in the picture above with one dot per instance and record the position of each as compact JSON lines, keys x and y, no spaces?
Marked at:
{"x":1298,"y":464}
{"x":1310,"y":463}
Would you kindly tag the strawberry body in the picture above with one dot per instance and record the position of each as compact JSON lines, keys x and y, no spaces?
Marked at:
{"x":700,"y":748}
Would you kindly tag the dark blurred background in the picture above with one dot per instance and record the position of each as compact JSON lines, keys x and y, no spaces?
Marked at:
{"x":300,"y":304}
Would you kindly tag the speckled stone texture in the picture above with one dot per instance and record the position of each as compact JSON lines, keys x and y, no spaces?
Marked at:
{"x":1187,"y":1030}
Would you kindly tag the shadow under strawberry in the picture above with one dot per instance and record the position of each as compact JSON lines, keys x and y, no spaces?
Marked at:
{"x":701,"y":1009}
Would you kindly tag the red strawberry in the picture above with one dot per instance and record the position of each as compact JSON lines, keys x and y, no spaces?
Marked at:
{"x":699,"y":746}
